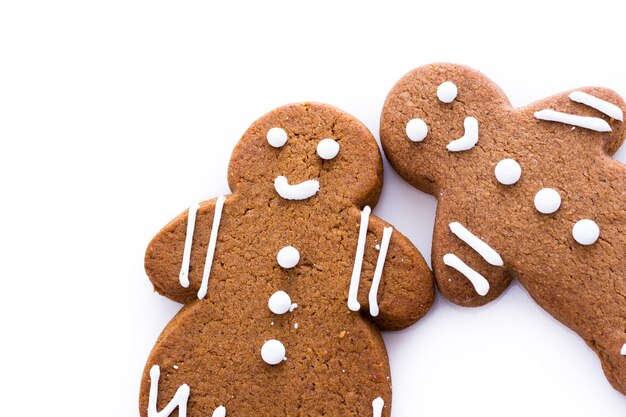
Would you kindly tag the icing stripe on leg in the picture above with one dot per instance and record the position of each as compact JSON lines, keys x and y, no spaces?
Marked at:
{"x":481,"y":285}
{"x":179,"y":400}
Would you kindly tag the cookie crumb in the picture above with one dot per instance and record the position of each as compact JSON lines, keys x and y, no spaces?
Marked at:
{"x":342,"y":334}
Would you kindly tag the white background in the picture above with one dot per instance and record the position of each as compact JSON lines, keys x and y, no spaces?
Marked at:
{"x":116,"y":115}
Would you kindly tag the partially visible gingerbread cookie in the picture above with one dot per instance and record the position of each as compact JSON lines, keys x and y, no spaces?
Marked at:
{"x":286,"y":282}
{"x":528,"y":193}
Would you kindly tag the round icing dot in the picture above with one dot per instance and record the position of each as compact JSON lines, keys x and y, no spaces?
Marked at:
{"x":273,"y":352}
{"x":276,"y":137}
{"x":288,"y":257}
{"x":547,"y":200}
{"x":446,"y":92}
{"x":327,"y":148}
{"x":416,"y":130}
{"x":279,"y":302}
{"x":586,"y":232}
{"x":508,"y":171}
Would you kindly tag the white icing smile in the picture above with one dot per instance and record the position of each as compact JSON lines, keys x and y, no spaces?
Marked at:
{"x":301,"y":191}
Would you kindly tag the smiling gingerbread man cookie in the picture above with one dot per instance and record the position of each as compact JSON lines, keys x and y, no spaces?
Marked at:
{"x":528,"y":193}
{"x":287,"y":282}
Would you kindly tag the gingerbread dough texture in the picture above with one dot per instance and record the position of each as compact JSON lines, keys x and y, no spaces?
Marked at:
{"x":528,"y":193}
{"x":287,"y":282}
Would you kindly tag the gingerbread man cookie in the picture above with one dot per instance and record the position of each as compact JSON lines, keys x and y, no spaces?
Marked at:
{"x":527,"y":193}
{"x":287,"y":282}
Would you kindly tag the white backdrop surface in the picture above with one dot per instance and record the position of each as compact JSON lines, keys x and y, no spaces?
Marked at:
{"x":116,"y":115}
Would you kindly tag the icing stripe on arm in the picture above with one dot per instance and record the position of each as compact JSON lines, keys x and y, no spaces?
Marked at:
{"x":481,"y":285}
{"x":377,"y":406}
{"x":183,"y":276}
{"x":217,"y":217}
{"x":602,"y":106}
{"x":474,"y":242}
{"x":179,"y":400}
{"x":378,"y":272}
{"x":353,"y":303}
{"x":592,"y":123}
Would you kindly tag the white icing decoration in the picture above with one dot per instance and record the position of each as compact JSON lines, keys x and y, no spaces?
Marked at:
{"x":378,"y":272}
{"x":474,"y":242}
{"x":327,"y":148}
{"x":602,"y":106}
{"x":179,"y":400}
{"x":219,"y":412}
{"x":353,"y":303}
{"x":293,"y":307}
{"x":623,"y":351}
{"x":217,"y":218}
{"x":547,"y":200}
{"x":508,"y":171}
{"x":288,"y":257}
{"x":481,"y":285}
{"x":183,"y":276}
{"x":300,"y":191}
{"x":295,"y":326}
{"x":416,"y":130}
{"x":586,"y":232}
{"x":469,"y":139}
{"x":273,"y":352}
{"x":279,"y":303}
{"x":446,"y":92}
{"x":592,"y":123}
{"x":377,"y":406}
{"x":276,"y":137}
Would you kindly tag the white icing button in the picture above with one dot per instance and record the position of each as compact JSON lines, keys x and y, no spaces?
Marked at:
{"x":508,"y":171}
{"x":446,"y":92}
{"x":416,"y":130}
{"x":276,"y":137}
{"x":288,"y":257}
{"x":279,"y":302}
{"x":327,"y":149}
{"x":623,"y":351}
{"x":547,"y":200}
{"x":273,"y":352}
{"x":586,"y":232}
{"x":219,"y":412}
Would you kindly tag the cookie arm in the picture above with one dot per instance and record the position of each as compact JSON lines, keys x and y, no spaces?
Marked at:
{"x":406,"y":288}
{"x":589,"y":112}
{"x":175,"y":258}
{"x":469,"y":270}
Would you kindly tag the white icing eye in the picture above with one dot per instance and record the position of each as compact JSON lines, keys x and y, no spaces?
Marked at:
{"x":276,"y":137}
{"x":416,"y":130}
{"x":508,"y":171}
{"x":273,"y":352}
{"x":288,"y":257}
{"x":446,"y":92}
{"x":279,"y":302}
{"x":327,"y":149}
{"x":586,"y":232}
{"x":547,"y":200}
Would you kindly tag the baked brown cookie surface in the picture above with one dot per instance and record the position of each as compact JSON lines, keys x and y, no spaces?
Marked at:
{"x":528,"y":193}
{"x":287,"y":282}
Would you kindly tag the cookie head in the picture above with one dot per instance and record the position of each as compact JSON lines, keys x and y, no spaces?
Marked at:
{"x":307,"y":152}
{"x":431,"y":118}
